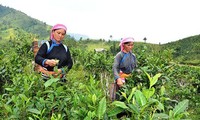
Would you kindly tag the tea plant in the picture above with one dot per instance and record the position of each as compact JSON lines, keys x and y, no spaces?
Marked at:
{"x":145,"y":104}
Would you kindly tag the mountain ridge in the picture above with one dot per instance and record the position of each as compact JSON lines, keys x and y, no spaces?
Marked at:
{"x":11,"y":18}
{"x":185,"y":50}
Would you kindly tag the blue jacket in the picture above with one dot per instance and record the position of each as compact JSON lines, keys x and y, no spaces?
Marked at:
{"x":56,"y":51}
{"x":125,"y":62}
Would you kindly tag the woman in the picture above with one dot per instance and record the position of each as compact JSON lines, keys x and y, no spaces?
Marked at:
{"x":124,"y":62}
{"x":53,"y":56}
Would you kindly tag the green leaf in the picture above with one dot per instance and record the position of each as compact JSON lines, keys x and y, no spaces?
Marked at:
{"x":9,"y":89}
{"x":154,"y":79}
{"x":120,"y":104}
{"x":148,"y":92}
{"x":115,"y":111}
{"x":59,"y":89}
{"x":181,"y":107}
{"x":90,"y":115}
{"x":160,"y":116}
{"x":30,"y":118}
{"x":94,"y":98}
{"x":50,"y":81}
{"x":170,"y":114}
{"x":131,"y":95}
{"x":8,"y":108}
{"x":134,"y":108}
{"x":159,"y":105}
{"x":162,"y":90}
{"x":101,"y":108}
{"x":23,"y":97}
{"x":33,"y":110}
{"x":149,"y":77}
{"x":124,"y":94}
{"x":140,"y":98}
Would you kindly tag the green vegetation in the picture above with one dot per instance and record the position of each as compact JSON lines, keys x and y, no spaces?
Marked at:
{"x":160,"y":87}
{"x":12,"y":19}
{"x":186,"y":51}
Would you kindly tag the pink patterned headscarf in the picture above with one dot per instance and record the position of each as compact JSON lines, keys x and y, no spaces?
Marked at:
{"x":124,"y":40}
{"x":57,"y":26}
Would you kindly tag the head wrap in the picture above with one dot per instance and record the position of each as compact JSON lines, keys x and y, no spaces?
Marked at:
{"x":57,"y":26}
{"x":124,"y":40}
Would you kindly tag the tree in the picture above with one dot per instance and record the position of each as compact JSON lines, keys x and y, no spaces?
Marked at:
{"x":111,"y":37}
{"x":145,"y":39}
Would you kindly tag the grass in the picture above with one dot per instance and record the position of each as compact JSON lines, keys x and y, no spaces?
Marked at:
{"x":92,"y":46}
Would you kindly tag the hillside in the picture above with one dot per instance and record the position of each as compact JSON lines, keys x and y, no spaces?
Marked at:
{"x":186,"y":51}
{"x":12,"y":21}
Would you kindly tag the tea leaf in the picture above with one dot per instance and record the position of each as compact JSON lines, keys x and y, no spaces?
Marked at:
{"x":149,"y":92}
{"x":160,"y":116}
{"x":162,"y":90}
{"x":94,"y":98}
{"x":115,"y":111}
{"x":154,"y":79}
{"x":50,"y":81}
{"x":180,"y":107}
{"x":33,"y":110}
{"x":134,"y":108}
{"x":140,"y":98}
{"x":131,"y":95}
{"x":120,"y":104}
{"x":102,"y":108}
{"x":9,"y":89}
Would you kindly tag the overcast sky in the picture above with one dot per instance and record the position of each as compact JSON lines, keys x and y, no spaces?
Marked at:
{"x":160,"y":21}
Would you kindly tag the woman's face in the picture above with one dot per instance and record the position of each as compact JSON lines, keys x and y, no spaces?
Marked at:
{"x":59,"y":34}
{"x":128,"y":46}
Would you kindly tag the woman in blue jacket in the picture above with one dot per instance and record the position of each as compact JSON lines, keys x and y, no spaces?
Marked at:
{"x":124,"y":62}
{"x":54,"y":54}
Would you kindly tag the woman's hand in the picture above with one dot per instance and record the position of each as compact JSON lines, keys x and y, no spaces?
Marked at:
{"x":48,"y":73}
{"x":119,"y":82}
{"x":51,"y":63}
{"x":56,"y":74}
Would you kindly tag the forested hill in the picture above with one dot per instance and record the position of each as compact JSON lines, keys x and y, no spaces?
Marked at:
{"x":11,"y":20}
{"x":186,"y":50}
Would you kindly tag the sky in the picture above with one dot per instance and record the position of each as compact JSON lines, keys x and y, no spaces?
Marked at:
{"x":160,"y":21}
